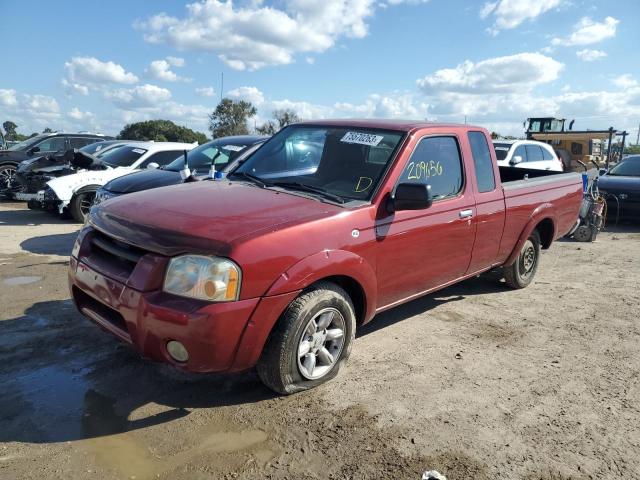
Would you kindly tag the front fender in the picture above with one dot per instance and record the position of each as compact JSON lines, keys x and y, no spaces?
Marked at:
{"x":542,"y":212}
{"x":67,"y":186}
{"x":288,"y":286}
{"x":330,"y":263}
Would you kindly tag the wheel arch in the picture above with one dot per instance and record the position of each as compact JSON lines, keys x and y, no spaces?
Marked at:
{"x":85,"y":189}
{"x":347,"y":269}
{"x":542,"y":220}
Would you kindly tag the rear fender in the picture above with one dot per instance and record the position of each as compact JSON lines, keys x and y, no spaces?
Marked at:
{"x":542,"y":212}
{"x":330,"y":263}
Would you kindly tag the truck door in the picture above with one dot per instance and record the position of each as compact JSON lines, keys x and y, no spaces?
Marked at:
{"x":419,"y":250}
{"x":490,"y":207}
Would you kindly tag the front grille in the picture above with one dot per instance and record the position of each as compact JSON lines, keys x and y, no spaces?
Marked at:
{"x":113,"y":258}
{"x":107,"y":313}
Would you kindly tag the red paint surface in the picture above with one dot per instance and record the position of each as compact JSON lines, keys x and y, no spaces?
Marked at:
{"x":283,"y":243}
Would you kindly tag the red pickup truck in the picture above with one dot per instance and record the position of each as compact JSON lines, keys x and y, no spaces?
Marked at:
{"x":324,"y":226}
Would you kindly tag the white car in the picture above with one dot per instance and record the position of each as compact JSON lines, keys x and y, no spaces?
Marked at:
{"x":527,"y":154}
{"x":75,"y":193}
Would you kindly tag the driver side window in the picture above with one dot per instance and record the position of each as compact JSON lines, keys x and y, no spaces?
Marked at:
{"x":436,"y":161}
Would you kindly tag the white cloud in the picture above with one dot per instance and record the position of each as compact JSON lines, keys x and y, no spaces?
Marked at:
{"x":161,"y":70}
{"x":250,"y":94}
{"x":41,"y":103}
{"x":511,"y":13}
{"x":512,"y":73}
{"x":77,"y":114}
{"x":625,"y":81}
{"x":140,"y":96}
{"x":407,"y":2}
{"x":8,"y":98}
{"x":589,"y":55}
{"x":588,"y":31}
{"x":176,"y":61}
{"x":82,"y":71}
{"x":205,"y":91}
{"x":253,"y":36}
{"x":72,"y":87}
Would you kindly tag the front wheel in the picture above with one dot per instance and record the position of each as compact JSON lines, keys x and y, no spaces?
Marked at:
{"x":80,"y":205}
{"x":521,"y":272}
{"x":310,"y":342}
{"x":7,"y":179}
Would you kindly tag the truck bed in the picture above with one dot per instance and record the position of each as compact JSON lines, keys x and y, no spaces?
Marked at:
{"x":523,"y":190}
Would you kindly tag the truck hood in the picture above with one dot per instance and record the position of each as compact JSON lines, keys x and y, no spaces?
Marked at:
{"x":203,"y":217}
{"x":144,"y":180}
{"x":65,"y":187}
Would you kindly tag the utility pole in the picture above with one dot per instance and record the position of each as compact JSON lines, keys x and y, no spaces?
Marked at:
{"x":609,"y":149}
{"x":221,"y":86}
{"x":638,"y":136}
{"x":624,"y":136}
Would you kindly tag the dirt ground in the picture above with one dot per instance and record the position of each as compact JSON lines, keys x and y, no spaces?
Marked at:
{"x":477,"y":381}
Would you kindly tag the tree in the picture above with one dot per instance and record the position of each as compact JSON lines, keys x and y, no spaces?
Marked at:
{"x":10,"y":130}
{"x":632,"y":149}
{"x":282,"y":118}
{"x":230,"y":118}
{"x":48,"y":130}
{"x":495,"y":135}
{"x":160,"y":131}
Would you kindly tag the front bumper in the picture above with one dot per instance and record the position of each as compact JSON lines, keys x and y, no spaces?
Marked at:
{"x":622,"y":205}
{"x":218,"y":336}
{"x":43,"y":200}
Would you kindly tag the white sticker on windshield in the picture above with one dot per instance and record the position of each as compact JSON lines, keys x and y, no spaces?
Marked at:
{"x":233,"y":148}
{"x":138,"y":150}
{"x":362,"y":138}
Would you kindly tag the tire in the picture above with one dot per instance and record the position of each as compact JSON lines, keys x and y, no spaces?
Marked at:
{"x":80,"y":205}
{"x":7,"y":179}
{"x":521,"y":272}
{"x":282,"y":367}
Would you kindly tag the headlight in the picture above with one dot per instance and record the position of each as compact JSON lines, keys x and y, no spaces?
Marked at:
{"x":206,"y":278}
{"x":102,"y":195}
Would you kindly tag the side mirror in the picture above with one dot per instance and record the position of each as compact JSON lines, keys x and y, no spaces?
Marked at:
{"x":410,"y":196}
{"x":153,"y":166}
{"x":516,"y":160}
{"x":34,"y":150}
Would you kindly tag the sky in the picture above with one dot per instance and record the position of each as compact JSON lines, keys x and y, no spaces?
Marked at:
{"x":77,"y":65}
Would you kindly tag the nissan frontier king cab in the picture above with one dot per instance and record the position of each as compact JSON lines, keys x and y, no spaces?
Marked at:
{"x":277,"y":265}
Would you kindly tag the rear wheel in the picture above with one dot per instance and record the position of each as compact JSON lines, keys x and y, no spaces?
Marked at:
{"x":80,"y":205}
{"x":521,"y":272}
{"x":310,"y":342}
{"x":7,"y":179}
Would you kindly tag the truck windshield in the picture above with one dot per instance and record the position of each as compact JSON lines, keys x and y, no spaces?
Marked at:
{"x":122,"y":157}
{"x":344,"y":163}
{"x":199,"y":158}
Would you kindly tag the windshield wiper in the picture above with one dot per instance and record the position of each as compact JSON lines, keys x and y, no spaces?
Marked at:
{"x":251,"y":177}
{"x":309,"y":188}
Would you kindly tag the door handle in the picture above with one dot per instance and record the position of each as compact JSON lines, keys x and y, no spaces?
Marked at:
{"x":466,"y":213}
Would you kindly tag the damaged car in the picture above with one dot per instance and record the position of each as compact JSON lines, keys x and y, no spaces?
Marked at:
{"x":74,"y":194}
